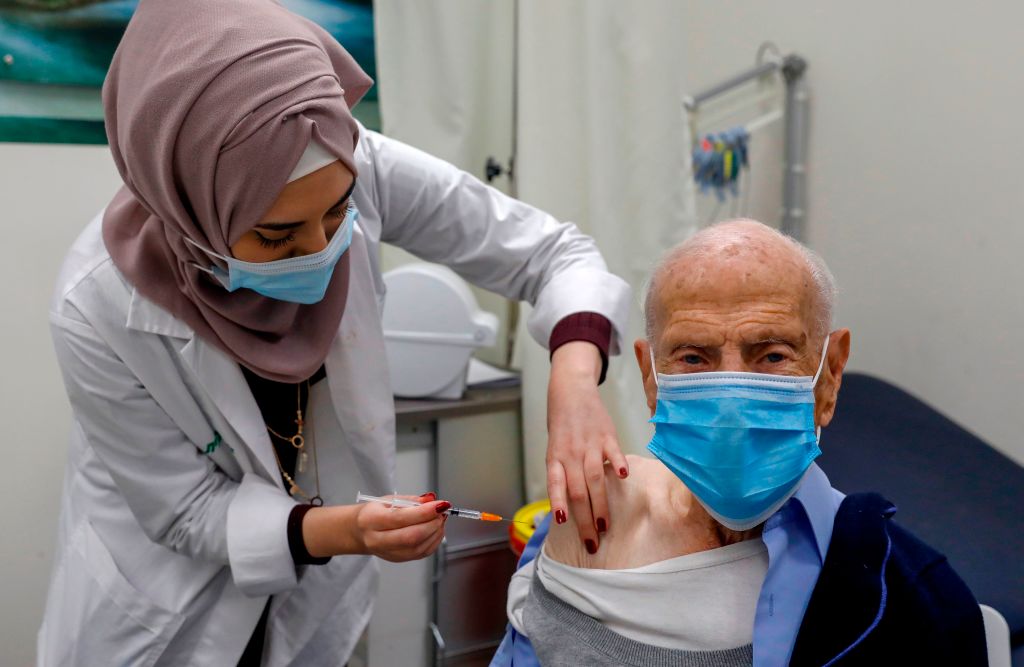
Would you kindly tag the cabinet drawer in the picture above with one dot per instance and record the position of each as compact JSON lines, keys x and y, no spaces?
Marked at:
{"x":471,"y":595}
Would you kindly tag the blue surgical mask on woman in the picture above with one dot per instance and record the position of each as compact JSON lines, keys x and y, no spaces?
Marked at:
{"x":295,"y":279}
{"x":741,"y":442}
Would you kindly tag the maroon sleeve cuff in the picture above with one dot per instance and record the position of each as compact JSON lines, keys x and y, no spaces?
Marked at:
{"x":295,"y":542}
{"x":590,"y":327}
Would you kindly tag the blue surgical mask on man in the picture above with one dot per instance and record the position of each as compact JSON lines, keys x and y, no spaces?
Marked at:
{"x":296,"y":279}
{"x":741,"y":442}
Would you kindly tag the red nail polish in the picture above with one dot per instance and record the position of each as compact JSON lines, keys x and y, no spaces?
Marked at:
{"x":623,"y":472}
{"x":443,"y":507}
{"x":560,"y":516}
{"x":602,"y":525}
{"x":429,"y":495}
{"x":591,"y":547}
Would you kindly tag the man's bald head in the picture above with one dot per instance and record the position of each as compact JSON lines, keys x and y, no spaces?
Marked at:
{"x":735,"y":254}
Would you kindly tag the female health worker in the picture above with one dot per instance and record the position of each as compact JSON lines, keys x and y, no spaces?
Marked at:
{"x":218,"y":330}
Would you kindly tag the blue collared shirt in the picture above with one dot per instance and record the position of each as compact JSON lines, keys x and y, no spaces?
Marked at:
{"x":797,"y":539}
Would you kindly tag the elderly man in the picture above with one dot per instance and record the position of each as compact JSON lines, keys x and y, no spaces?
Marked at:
{"x":731,"y":547}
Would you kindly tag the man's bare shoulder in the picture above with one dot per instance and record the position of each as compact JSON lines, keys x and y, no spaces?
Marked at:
{"x":652,"y":518}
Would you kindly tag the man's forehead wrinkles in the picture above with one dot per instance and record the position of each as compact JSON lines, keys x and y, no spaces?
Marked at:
{"x":731,"y":309}
{"x":732,"y":274}
{"x":733,"y":298}
{"x":768,"y":317}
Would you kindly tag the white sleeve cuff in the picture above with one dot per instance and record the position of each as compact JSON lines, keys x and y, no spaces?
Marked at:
{"x":581,"y":290}
{"x":518,"y":593}
{"x":261,"y":562}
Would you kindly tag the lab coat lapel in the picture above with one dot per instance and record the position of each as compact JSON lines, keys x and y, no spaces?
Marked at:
{"x":224,"y":383}
{"x":358,"y":377}
{"x":144,"y":315}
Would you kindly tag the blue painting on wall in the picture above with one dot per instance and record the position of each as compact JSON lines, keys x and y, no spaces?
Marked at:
{"x":54,"y":55}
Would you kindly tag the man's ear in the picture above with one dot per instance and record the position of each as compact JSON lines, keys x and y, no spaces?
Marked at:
{"x":647,"y":371}
{"x":827,"y":391}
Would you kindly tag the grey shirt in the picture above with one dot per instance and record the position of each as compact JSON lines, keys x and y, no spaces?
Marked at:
{"x":563,"y":636}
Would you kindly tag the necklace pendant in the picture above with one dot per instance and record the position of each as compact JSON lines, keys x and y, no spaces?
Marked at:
{"x":303,"y":457}
{"x":294,"y":489}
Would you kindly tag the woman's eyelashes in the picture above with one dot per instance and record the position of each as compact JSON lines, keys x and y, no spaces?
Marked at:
{"x":275,"y":243}
{"x":331,"y":220}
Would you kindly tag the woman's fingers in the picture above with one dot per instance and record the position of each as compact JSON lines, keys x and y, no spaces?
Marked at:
{"x":432,"y":545}
{"x":577,"y":487}
{"x":383,"y":517}
{"x":579,"y":503}
{"x":557,"y":491}
{"x":616,"y":458}
{"x":593,"y":473}
{"x":407,"y":543}
{"x":411,"y":538}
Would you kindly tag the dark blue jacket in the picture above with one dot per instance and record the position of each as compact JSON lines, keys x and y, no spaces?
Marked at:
{"x":885,"y":597}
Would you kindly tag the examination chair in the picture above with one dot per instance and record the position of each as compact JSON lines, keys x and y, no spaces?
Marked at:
{"x":953,"y":490}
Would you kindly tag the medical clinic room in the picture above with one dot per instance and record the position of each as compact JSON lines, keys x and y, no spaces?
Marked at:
{"x":700,"y":322}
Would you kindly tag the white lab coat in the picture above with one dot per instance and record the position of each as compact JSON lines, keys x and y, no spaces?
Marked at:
{"x":168,"y":548}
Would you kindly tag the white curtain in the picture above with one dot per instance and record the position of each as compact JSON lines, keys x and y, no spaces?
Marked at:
{"x":444,"y":71}
{"x":602,"y":139}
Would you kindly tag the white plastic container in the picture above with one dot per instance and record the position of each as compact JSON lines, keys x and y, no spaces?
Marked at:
{"x":432,"y":325}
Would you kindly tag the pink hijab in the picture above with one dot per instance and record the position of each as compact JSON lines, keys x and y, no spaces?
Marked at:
{"x":209,"y":105}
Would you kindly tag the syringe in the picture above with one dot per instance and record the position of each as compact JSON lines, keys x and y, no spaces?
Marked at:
{"x":474,"y":514}
{"x":454,"y":511}
{"x":394,"y":502}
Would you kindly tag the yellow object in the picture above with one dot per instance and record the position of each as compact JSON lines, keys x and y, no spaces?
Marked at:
{"x":528,"y":517}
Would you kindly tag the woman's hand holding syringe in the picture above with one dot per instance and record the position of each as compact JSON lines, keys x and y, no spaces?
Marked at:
{"x":403,"y":501}
{"x":376,"y":529}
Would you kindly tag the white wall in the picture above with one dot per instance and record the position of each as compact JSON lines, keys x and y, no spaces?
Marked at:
{"x":914,"y":184}
{"x":47,"y":194}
